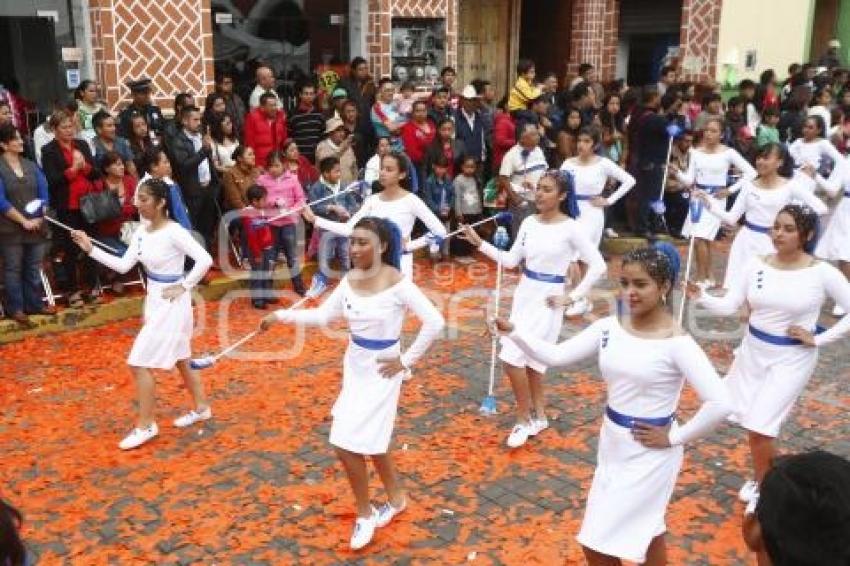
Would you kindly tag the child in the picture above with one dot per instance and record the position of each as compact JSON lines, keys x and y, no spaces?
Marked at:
{"x":439,"y":196}
{"x":260,"y":244}
{"x":284,"y":193}
{"x":524,"y":90}
{"x":468,"y":206}
{"x":404,"y":101}
{"x":767,"y":130}
{"x":735,"y":119}
{"x":338,"y":209}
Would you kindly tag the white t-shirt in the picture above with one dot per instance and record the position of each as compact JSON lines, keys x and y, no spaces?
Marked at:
{"x":520,"y":164}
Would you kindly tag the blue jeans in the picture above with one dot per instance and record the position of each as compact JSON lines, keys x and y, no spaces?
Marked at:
{"x":21,"y":265}
{"x":332,"y":246}
{"x":286,"y":241}
{"x":260,"y":281}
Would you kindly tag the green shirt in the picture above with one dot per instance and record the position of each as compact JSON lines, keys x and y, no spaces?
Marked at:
{"x":766,"y":135}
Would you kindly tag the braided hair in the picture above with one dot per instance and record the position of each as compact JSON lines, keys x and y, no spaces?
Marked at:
{"x":160,"y":191}
{"x":661,"y":261}
{"x":566,"y":186}
{"x":388,"y":233}
{"x":806,"y":220}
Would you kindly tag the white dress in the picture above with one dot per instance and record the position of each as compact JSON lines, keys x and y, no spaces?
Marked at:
{"x":759,"y":208}
{"x":546,"y":249}
{"x":403,"y":212}
{"x":632,"y":484}
{"x":365,"y":411}
{"x":813,"y":152}
{"x":708,"y":171}
{"x":589,"y":182}
{"x":766,"y":378}
{"x":834,"y":245}
{"x":165,"y":337}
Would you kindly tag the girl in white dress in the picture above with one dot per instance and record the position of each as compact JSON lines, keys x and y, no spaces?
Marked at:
{"x":394,"y":202}
{"x":812,"y":148}
{"x":784,"y":292}
{"x":590,"y":176}
{"x":759,"y":201}
{"x":546,"y":244}
{"x":161,"y":246}
{"x":834,"y":245}
{"x":708,"y":170}
{"x":372,"y":298}
{"x":644,"y":358}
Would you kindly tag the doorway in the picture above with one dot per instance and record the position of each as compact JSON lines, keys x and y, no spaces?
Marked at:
{"x":486,"y":49}
{"x":545,"y":35}
{"x":649,"y":37}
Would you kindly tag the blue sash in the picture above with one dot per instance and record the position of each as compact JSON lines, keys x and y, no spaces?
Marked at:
{"x":160,"y":278}
{"x":626,"y":421}
{"x":585,"y":197}
{"x":779,"y":340}
{"x":373,"y":344}
{"x":545,"y":277}
{"x":756,"y":227}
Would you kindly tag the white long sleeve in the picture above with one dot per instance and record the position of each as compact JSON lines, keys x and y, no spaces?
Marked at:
{"x":734,"y":298}
{"x":614,"y":171}
{"x":344,"y":228}
{"x":837,"y":287}
{"x":580,"y":347}
{"x":808,"y":198}
{"x":688,"y":177}
{"x":432,"y":322}
{"x":732,"y":216}
{"x":747,"y":171}
{"x":184,"y":241}
{"x":700,"y":373}
{"x":836,"y":181}
{"x":322,"y":315}
{"x":434,"y":225}
{"x":510,"y":258}
{"x":596,"y":267}
{"x":121,"y":264}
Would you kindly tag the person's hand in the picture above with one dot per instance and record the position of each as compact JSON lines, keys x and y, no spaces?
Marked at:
{"x":499,"y":326}
{"x":809,"y":170}
{"x":78,"y":161}
{"x":652,"y":436}
{"x":82,"y":239}
{"x":391,"y":368}
{"x":722,"y":194}
{"x":803,"y":335}
{"x":172,"y":292}
{"x":692,"y":290}
{"x":599,"y":202}
{"x":673,"y":168}
{"x":267,"y":321}
{"x":308,"y":215}
{"x":206,"y":142}
{"x":701,"y":196}
{"x":558,"y":301}
{"x":545,"y":122}
{"x":31,"y":225}
{"x":343,"y":213}
{"x":528,"y":185}
{"x":470,"y":235}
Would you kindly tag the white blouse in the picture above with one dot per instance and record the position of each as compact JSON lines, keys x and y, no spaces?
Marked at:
{"x":590,"y":179}
{"x":762,"y":205}
{"x":712,"y":169}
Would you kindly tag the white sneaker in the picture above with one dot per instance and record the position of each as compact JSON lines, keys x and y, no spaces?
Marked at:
{"x":705,"y":284}
{"x":387,"y":512}
{"x":748,"y":491}
{"x":838,"y":311}
{"x":519,"y":434}
{"x":138,"y":436}
{"x":538,"y":426}
{"x":610,"y":233}
{"x":578,"y":308}
{"x":193,"y":417}
{"x":364,"y":530}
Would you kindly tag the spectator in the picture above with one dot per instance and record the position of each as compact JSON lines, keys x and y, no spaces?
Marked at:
{"x":284,"y":193}
{"x":487,"y":108}
{"x":116,"y":179}
{"x":265,"y":85}
{"x":438,"y":194}
{"x":106,"y":140}
{"x":233,"y":103}
{"x":224,"y":141}
{"x":521,"y":168}
{"x":467,"y":205}
{"x":767,"y":131}
{"x":417,"y":134}
{"x":87,"y":106}
{"x":568,"y":136}
{"x":139,"y":141}
{"x":447,"y":145}
{"x":265,"y":128}
{"x":12,"y":549}
{"x":338,"y":209}
{"x":712,"y":107}
{"x":172,"y":126}
{"x":386,"y":119}
{"x":766,"y":94}
{"x":791,"y":120}
{"x":504,"y":132}
{"x":448,"y":78}
{"x":214,"y":105}
{"x":469,"y":126}
{"x":822,"y":105}
{"x":70,"y":170}
{"x":523,"y":91}
{"x":156,"y":165}
{"x":651,"y":138}
{"x":405,"y":99}
{"x":306,"y":122}
{"x":832,"y":57}
{"x":361,"y":90}
{"x":238,"y":178}
{"x":440,"y":105}
{"x":351,"y":119}
{"x":583,"y":99}
{"x":373,"y":167}
{"x":747,"y":92}
{"x":298,"y":164}
{"x":5,"y":112}
{"x":735,"y":119}
{"x":260,"y":245}
{"x":195,"y":173}
{"x":140,"y":91}
{"x":745,"y":144}
{"x":43,"y":134}
{"x":666,"y":79}
{"x":338,"y":99}
{"x":802,"y":514}
{"x":23,"y":241}
{"x":338,"y":144}
{"x":676,"y":202}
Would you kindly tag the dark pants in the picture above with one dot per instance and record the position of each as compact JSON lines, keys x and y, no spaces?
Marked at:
{"x":77,"y":268}
{"x":202,"y":212}
{"x":677,"y":206}
{"x":286,"y":241}
{"x":460,"y":247}
{"x":260,"y":281}
{"x":649,"y":181}
{"x":21,"y":277}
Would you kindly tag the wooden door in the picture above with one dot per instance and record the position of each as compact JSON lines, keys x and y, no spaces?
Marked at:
{"x":485,"y":42}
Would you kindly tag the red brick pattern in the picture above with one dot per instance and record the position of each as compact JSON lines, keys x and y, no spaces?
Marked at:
{"x":700,"y":34}
{"x":380,"y":17}
{"x":595,"y":28}
{"x":168,"y":41}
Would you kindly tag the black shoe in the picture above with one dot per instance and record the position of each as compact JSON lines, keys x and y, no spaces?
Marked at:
{"x":259,"y":305}
{"x":273,"y":301}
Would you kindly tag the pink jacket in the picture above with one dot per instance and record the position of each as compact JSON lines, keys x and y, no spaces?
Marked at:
{"x":285,"y":193}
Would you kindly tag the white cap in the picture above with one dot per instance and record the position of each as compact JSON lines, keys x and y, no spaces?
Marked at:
{"x":834,"y":43}
{"x":469,"y":92}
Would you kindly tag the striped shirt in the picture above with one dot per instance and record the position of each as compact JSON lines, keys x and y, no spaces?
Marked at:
{"x":306,"y":128}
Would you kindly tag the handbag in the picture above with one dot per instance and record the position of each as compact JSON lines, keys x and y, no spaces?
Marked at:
{"x":101,"y":205}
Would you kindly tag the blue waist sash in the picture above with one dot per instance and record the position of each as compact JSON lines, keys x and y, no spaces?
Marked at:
{"x":626,"y":421}
{"x":585,"y":197}
{"x":756,"y":227}
{"x":372,"y":343}
{"x":779,"y":340}
{"x":161,"y":278}
{"x":545,"y":277}
{"x":710,"y":189}
{"x":847,"y":194}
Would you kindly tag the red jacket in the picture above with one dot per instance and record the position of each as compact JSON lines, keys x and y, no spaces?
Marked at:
{"x":504,"y":137}
{"x":416,"y":141}
{"x":258,"y":235}
{"x":263,"y":135}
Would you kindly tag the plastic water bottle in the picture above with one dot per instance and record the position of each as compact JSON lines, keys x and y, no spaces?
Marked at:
{"x":501,"y":239}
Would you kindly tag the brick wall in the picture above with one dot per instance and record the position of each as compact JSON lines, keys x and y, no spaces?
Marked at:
{"x":699,"y":38}
{"x":594,"y":36}
{"x":168,"y":41}
{"x":379,"y":20}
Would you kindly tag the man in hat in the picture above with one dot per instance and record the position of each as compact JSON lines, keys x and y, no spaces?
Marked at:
{"x":469,"y":126}
{"x":832,"y":57}
{"x":338,"y":143}
{"x":338,"y":99}
{"x":140,"y":93}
